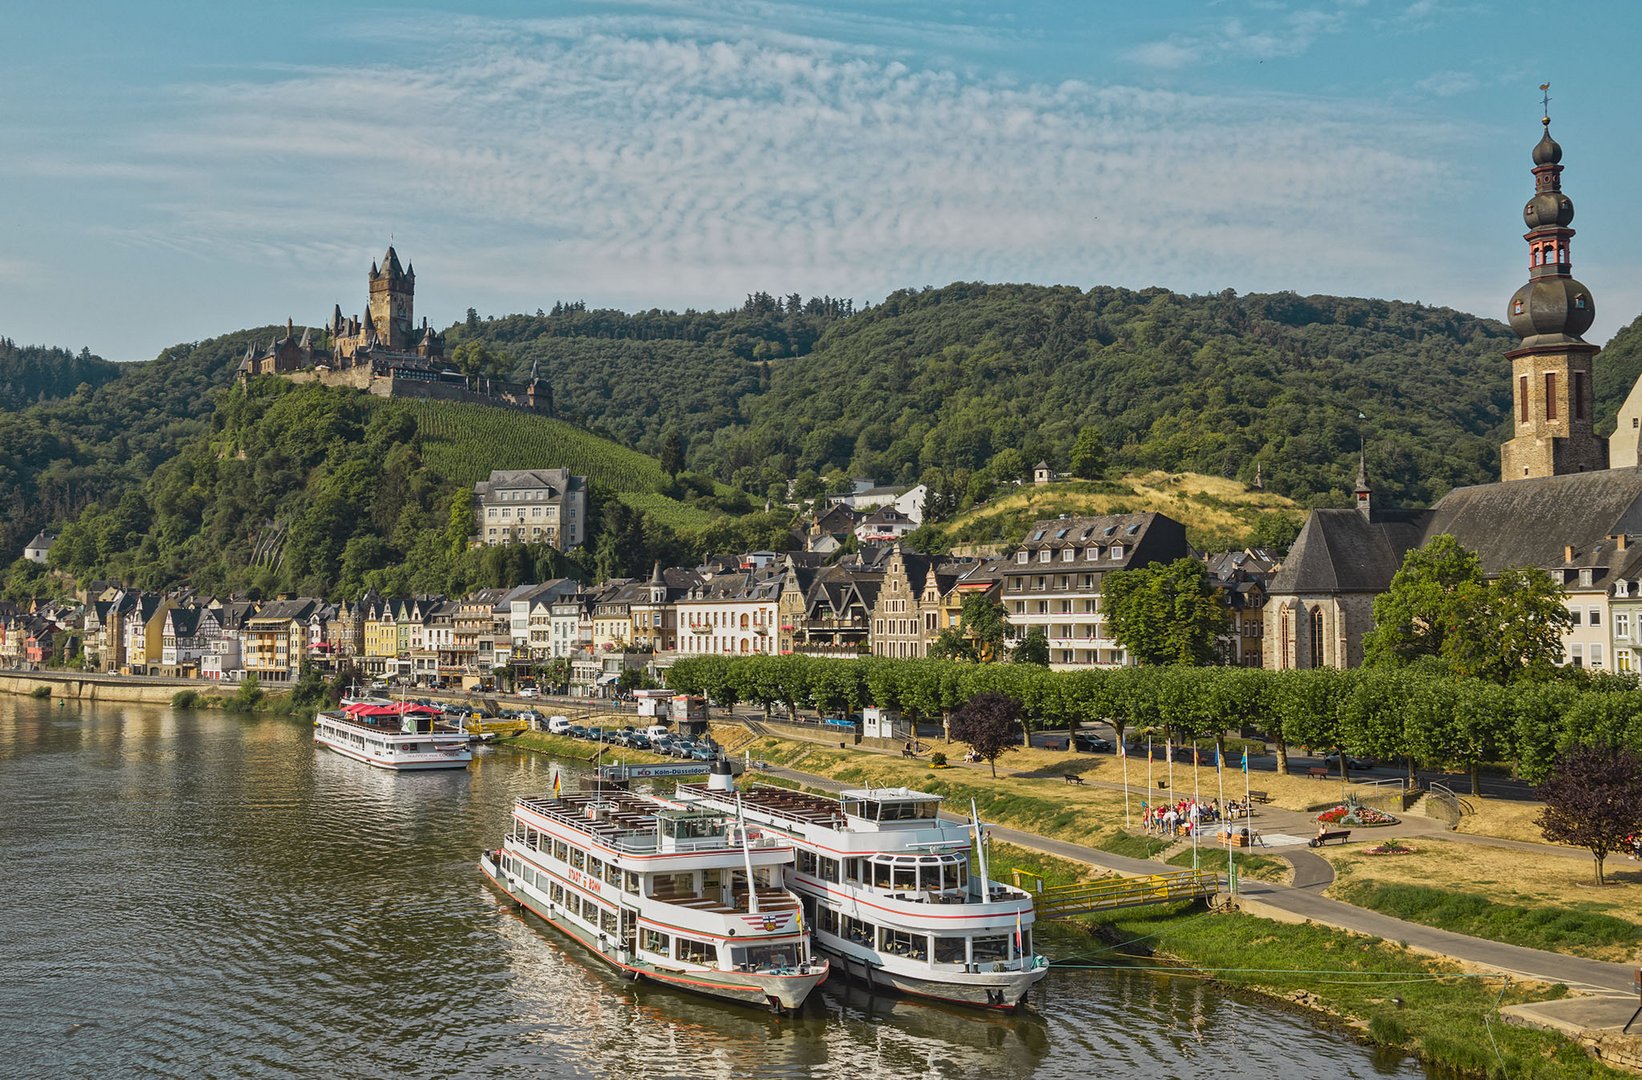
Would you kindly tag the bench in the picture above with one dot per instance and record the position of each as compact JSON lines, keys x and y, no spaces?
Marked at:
{"x":1260,"y":796}
{"x":1163,"y":784}
{"x":1318,"y":772}
{"x":1322,"y":838}
{"x":1074,"y":778}
{"x":1054,"y":744}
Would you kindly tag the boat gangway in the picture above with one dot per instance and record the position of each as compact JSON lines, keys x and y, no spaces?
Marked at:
{"x":1118,"y":891}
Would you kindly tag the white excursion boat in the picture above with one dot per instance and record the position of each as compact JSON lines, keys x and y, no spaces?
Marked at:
{"x":888,"y":891}
{"x":661,"y":892}
{"x":401,"y":737}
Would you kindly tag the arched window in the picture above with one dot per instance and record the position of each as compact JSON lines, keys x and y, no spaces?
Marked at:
{"x":1316,"y":637}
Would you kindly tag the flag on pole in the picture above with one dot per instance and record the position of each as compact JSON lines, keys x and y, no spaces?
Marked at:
{"x":1018,"y":945}
{"x":1168,"y":752}
{"x":555,"y":783}
{"x":1245,"y":763}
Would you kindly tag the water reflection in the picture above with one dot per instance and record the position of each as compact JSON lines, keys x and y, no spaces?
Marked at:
{"x":197,"y":893}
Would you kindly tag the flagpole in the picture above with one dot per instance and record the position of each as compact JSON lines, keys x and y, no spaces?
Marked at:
{"x":1149,"y":788}
{"x":1125,"y":756}
{"x":1168,"y":753}
{"x":1222,"y":828}
{"x":1198,"y":810}
{"x":1248,"y":810}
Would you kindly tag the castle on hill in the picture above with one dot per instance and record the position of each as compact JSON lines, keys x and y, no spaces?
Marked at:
{"x":383,"y":352}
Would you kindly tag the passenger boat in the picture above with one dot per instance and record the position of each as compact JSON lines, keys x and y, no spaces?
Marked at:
{"x":889,"y":893}
{"x":398,"y":736}
{"x":661,"y":893}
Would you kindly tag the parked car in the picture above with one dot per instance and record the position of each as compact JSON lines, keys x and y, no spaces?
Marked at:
{"x":558,"y":725}
{"x":529,"y":692}
{"x":576,"y":731}
{"x":1352,"y":762}
{"x":1092,"y":744}
{"x":702,"y":753}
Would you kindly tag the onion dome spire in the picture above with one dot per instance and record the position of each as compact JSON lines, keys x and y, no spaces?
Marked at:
{"x":1552,"y":308}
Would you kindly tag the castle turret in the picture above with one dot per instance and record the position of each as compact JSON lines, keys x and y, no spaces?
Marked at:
{"x":392,"y":303}
{"x":1551,"y":370}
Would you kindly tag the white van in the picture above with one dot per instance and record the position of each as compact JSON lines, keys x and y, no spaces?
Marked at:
{"x":557,"y":725}
{"x":657,"y":731}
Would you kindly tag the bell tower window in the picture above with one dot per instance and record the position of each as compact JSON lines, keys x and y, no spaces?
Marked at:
{"x":1550,"y":395}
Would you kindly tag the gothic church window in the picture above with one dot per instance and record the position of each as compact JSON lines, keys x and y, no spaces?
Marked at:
{"x":1316,"y":637}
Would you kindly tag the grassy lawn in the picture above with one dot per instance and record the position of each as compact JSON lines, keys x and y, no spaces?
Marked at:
{"x":1540,"y":901}
{"x":1214,"y":858}
{"x":1510,"y":819}
{"x":1390,"y":995}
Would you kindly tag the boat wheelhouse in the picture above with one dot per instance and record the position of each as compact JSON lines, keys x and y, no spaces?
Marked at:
{"x":398,"y":736}
{"x":684,"y":897}
{"x":891,"y":896}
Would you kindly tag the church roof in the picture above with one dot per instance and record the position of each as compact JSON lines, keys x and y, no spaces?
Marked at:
{"x":1529,"y":522}
{"x":1346,"y":551}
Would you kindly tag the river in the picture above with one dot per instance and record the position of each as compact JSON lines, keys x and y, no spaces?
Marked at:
{"x":193,"y":893}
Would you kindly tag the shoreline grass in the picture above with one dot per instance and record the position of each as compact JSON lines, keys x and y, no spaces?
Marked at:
{"x":1384,"y":993}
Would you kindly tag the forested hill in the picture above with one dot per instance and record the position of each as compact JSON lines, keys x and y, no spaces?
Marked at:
{"x":1618,"y":366}
{"x":35,"y":373}
{"x":935,"y":384}
{"x":102,"y":427}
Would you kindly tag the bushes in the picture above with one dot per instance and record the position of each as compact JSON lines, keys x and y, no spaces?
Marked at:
{"x":41,"y":692}
{"x":186,"y":699}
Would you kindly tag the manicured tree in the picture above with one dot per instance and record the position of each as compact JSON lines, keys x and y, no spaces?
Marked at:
{"x":837,"y":685}
{"x":1481,"y":726}
{"x":1593,"y":800}
{"x":952,"y":644}
{"x":881,"y":678}
{"x":1425,"y":603}
{"x":1309,"y":702}
{"x":756,"y":681}
{"x":1538,"y":717}
{"x":1372,"y":715}
{"x":990,"y":723}
{"x":1087,"y":699}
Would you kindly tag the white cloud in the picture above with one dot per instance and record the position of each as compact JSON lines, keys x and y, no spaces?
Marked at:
{"x":1449,"y":83}
{"x":637,"y":159}
{"x":1272,"y":33}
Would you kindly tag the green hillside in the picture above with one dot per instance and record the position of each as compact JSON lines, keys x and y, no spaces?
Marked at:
{"x":936,"y":384}
{"x":304,"y":488}
{"x":464,"y":442}
{"x":1618,"y":366}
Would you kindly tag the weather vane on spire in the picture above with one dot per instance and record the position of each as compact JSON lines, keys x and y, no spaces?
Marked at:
{"x":1545,"y":103}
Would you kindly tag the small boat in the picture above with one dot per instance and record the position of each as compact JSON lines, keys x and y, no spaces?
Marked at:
{"x":395,"y":735}
{"x":687,"y":898}
{"x":889,"y":891}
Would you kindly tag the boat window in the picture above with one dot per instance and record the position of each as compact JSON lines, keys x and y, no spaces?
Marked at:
{"x":829,"y":869}
{"x":957,"y":877}
{"x":595,"y":867}
{"x":989,"y":950}
{"x":852,"y":870}
{"x":561,"y":850}
{"x":764,"y":957}
{"x":857,"y":930}
{"x":826,"y":919}
{"x":950,"y":950}
{"x":607,"y":921}
{"x":556,"y":894}
{"x":880,"y":875}
{"x":929,"y":810}
{"x":1026,"y":943}
{"x":902,"y":943}
{"x":692,"y":951}
{"x":853,"y":807}
{"x":905,"y":878}
{"x":612,"y":874}
{"x":657,"y":942}
{"x":632,"y":882}
{"x":806,"y":862}
{"x":578,"y":858}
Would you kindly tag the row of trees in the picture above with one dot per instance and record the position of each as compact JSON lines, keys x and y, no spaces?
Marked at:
{"x":1424,"y":718}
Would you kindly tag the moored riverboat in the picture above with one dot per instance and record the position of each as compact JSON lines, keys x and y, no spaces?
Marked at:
{"x":888,"y":890}
{"x":399,"y":737}
{"x":686,"y":898}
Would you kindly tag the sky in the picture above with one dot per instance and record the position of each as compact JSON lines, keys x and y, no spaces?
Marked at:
{"x":170,"y":171}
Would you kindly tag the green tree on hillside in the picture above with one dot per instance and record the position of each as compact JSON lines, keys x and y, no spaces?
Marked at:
{"x":672,"y":452}
{"x":1088,"y":457}
{"x":1165,"y":613}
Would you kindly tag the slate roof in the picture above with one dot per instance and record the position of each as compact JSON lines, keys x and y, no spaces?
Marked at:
{"x":1528,"y":522}
{"x":1343,"y":551}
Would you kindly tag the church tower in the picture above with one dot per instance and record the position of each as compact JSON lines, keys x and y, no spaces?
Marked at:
{"x":393,"y":289}
{"x":1551,"y":369}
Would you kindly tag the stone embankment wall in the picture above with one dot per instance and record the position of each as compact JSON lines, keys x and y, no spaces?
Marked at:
{"x":75,"y":687}
{"x":501,"y":394}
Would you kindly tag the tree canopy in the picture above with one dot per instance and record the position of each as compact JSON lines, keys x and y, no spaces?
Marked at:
{"x":990,"y":723}
{"x":1165,"y":613}
{"x":1593,"y":800}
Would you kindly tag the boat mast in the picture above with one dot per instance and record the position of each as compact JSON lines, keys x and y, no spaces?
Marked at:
{"x":747,"y":857}
{"x":980,"y":852}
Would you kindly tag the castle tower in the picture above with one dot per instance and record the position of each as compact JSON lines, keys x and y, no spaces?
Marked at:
{"x":392,"y":292}
{"x":1551,"y":370}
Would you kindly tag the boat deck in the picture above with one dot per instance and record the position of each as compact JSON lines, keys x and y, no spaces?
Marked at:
{"x":796,"y":806}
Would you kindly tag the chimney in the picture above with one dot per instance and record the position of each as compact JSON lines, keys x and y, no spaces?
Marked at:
{"x":1568,"y":553}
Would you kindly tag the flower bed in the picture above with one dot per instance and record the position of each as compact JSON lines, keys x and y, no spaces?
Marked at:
{"x":1390,"y":847}
{"x":1355,"y":814}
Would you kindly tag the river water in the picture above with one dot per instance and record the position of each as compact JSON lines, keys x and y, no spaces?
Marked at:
{"x":196,"y":894}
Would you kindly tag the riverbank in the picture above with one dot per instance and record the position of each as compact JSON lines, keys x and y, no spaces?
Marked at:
{"x":77,"y":686}
{"x":1383,"y":994}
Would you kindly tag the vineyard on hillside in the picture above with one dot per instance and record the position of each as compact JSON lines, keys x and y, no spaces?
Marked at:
{"x":463,"y":442}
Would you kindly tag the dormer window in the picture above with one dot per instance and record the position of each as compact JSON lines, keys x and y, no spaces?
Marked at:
{"x":1023,"y":556}
{"x":1585,"y":578}
{"x":1045,"y":555}
{"x":1067,"y":554}
{"x":1622,"y":587}
{"x":1117,"y":551}
{"x":1092,"y":553}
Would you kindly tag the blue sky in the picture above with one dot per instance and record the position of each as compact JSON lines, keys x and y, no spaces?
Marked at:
{"x":174,"y":171}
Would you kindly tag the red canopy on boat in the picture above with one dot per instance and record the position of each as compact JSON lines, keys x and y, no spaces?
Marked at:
{"x":398,"y":708}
